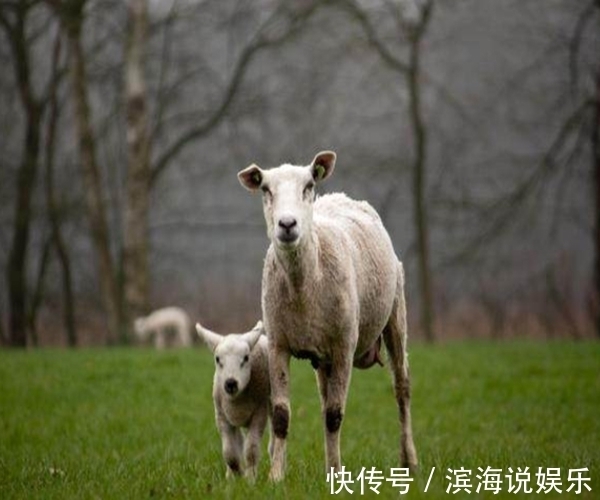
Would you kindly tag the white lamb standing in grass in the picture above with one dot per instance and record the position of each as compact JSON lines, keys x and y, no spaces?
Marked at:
{"x":170,"y":326}
{"x":332,"y":288}
{"x":241,"y":395}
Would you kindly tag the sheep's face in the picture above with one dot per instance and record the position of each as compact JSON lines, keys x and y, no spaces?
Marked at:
{"x":288,"y":196}
{"x":232,"y":358}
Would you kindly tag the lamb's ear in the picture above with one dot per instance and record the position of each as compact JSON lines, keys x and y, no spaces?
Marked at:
{"x":211,"y":339}
{"x":322,"y":166}
{"x":252,"y":336}
{"x":251,"y":177}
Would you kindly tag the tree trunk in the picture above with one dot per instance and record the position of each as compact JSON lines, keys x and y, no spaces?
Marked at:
{"x":421,"y":219}
{"x":26,"y":177}
{"x":596,"y":170}
{"x":54,"y":211}
{"x":38,"y":293}
{"x":17,"y":260}
{"x":72,"y":21}
{"x":135,"y":256}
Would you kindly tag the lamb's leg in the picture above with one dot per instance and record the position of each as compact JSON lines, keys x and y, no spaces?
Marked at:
{"x":232,"y":444}
{"x":252,"y":441}
{"x":279,"y":373}
{"x":395,"y":338}
{"x":334,"y":381}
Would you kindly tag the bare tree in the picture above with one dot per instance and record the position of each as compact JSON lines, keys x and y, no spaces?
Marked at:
{"x":13,"y":20}
{"x":412,"y":30}
{"x":591,"y":16}
{"x":135,"y":251}
{"x":596,"y":170}
{"x":71,"y":15}
{"x":52,"y":204}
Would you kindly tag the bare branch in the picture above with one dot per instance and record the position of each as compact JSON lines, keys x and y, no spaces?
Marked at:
{"x":260,"y":42}
{"x":500,"y":213}
{"x":575,"y":43}
{"x":388,"y":57}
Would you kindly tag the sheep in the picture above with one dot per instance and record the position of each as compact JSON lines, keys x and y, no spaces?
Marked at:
{"x":241,"y":395}
{"x":332,"y":288}
{"x":169,"y":326}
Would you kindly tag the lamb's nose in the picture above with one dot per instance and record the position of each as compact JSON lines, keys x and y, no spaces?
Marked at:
{"x":231,"y":386}
{"x":287,"y":222}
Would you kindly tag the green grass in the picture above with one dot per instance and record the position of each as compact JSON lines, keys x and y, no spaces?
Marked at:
{"x":126,"y":423}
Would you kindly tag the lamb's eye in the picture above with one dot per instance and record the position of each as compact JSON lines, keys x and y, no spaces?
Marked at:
{"x":245,"y":360}
{"x":218,"y":360}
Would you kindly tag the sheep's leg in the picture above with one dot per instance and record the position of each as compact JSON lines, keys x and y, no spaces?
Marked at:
{"x":334,"y":381}
{"x":322,"y":379}
{"x":252,"y":441}
{"x":395,"y":338}
{"x":271,"y":435}
{"x":159,"y":339}
{"x":279,"y":373}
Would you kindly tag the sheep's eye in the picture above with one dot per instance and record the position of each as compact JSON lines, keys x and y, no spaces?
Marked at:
{"x":218,"y":360}
{"x":245,"y":360}
{"x":308,"y":188}
{"x":267,"y":195}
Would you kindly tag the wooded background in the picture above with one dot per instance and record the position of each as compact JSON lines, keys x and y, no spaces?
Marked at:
{"x":472,"y":126}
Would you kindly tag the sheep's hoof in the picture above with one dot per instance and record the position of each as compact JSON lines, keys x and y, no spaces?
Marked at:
{"x":276,"y":476}
{"x":413,"y":467}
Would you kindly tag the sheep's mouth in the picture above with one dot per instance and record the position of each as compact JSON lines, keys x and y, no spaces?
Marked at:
{"x":287,"y":237}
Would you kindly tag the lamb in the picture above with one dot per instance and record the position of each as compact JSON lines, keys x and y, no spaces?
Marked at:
{"x":241,"y":395}
{"x":169,"y":326}
{"x":332,"y":288}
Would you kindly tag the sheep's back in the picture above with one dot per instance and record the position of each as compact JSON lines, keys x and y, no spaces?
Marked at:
{"x":354,"y":231}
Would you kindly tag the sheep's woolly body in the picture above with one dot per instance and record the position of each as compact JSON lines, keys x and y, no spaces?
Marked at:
{"x":332,"y":289}
{"x":352,"y":275}
{"x":164,"y":323}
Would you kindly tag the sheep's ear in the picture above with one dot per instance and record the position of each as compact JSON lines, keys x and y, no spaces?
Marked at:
{"x":251,"y":177}
{"x":252,"y":336}
{"x":211,"y":339}
{"x":322,"y":166}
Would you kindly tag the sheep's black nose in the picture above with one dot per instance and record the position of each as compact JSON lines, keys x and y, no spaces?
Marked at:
{"x":287,"y":223}
{"x":231,"y":386}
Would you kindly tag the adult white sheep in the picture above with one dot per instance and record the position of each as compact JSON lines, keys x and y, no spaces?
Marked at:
{"x":241,"y":395}
{"x":169,"y":326}
{"x":332,"y":288}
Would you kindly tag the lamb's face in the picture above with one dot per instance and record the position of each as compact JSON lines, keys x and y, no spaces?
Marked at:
{"x":288,"y":196}
{"x":232,"y":365}
{"x":232,"y":354}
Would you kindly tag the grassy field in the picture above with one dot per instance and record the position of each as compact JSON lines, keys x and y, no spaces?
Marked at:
{"x":134,"y":423}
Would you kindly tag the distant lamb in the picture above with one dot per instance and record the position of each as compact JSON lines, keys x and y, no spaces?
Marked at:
{"x":170,"y":326}
{"x":332,"y":287}
{"x":241,"y":395}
